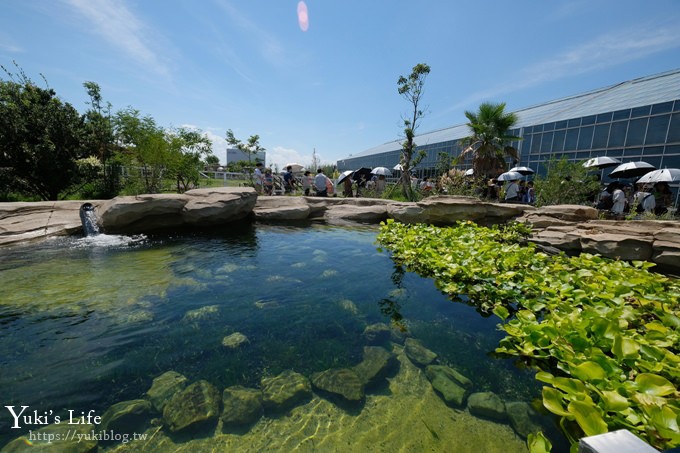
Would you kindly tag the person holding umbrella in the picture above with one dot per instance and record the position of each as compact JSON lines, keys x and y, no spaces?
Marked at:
{"x":512,"y":191}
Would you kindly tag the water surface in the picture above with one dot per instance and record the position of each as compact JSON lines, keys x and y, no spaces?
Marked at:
{"x":88,"y":322}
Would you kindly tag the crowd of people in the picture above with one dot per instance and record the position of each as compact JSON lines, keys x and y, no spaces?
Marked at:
{"x":619,"y":199}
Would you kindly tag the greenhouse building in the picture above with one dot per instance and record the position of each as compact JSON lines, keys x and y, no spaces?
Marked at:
{"x":631,"y":121}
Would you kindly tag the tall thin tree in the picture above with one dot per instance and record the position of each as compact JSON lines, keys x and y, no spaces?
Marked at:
{"x":411,"y":88}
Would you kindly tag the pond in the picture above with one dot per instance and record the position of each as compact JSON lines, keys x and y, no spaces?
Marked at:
{"x":89,"y":322}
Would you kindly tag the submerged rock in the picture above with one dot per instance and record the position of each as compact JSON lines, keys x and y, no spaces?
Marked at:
{"x":350,"y":306}
{"x":241,"y":405}
{"x":375,"y":365}
{"x":234,"y":341}
{"x":164,"y":387}
{"x":62,"y":438}
{"x":448,"y":383}
{"x":200,"y":313}
{"x":487,"y":405}
{"x":432,"y":370}
{"x":520,"y":415}
{"x":378,"y":333}
{"x":342,"y":381}
{"x":285,"y":390}
{"x":418,"y":353}
{"x":198,"y":403}
{"x":127,"y":417}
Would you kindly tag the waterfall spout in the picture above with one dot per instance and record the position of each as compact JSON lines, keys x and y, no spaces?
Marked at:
{"x":89,"y":220}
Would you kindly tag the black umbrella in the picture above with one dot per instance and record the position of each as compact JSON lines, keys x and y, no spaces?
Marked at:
{"x":631,"y":170}
{"x":365,"y":172}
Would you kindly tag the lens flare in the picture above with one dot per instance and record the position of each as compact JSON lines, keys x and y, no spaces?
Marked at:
{"x":303,"y":17}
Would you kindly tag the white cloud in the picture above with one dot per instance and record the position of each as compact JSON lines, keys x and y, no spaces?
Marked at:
{"x":122,"y":29}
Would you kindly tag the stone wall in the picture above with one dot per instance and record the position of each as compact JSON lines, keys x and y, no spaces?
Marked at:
{"x":570,"y":228}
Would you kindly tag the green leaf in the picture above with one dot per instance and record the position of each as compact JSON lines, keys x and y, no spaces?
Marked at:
{"x":625,"y":348}
{"x":588,"y":371}
{"x":653,"y":384}
{"x":588,"y":417}
{"x":501,"y":312}
{"x":614,"y":401}
{"x":552,"y":400}
{"x":538,"y":443}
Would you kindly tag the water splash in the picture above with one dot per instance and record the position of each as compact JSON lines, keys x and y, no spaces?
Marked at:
{"x":89,"y":219}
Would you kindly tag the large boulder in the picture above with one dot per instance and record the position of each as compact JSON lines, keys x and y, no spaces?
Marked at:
{"x":207,"y":207}
{"x":281,"y":208}
{"x":445,"y":210}
{"x":618,"y":246}
{"x":21,"y":221}
{"x":198,"y":207}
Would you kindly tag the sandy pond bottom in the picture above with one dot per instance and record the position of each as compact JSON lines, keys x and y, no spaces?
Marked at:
{"x":405,"y":416}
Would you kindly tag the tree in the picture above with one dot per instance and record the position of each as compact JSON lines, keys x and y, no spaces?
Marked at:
{"x":98,"y":141}
{"x":145,"y":150}
{"x":40,"y":138}
{"x":251,"y":149}
{"x":187,"y":151}
{"x":565,"y":182}
{"x":489,"y":143}
{"x":411,"y":88}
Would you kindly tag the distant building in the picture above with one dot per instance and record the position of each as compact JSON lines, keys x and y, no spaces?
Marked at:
{"x":235,"y":155}
{"x":634,"y":120}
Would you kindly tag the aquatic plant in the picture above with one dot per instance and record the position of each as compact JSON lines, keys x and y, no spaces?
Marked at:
{"x":604,"y":335}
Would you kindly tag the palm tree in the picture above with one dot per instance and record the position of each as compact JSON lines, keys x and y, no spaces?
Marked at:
{"x":489,"y":143}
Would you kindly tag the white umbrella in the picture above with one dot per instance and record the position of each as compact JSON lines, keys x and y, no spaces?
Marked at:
{"x":510,"y":176}
{"x":631,"y":170}
{"x":342,"y":177}
{"x":397,"y":167}
{"x":381,"y":171}
{"x":523,"y":170}
{"x":601,"y":162}
{"x":661,"y":175}
{"x":469,"y":172}
{"x":296,"y":167}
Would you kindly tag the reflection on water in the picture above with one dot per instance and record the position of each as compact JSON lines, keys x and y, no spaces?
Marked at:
{"x":86,"y":323}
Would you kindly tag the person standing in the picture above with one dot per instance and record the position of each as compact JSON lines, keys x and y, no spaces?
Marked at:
{"x":288,"y":180}
{"x":512,"y":192}
{"x":259,"y":177}
{"x":320,"y":184}
{"x":619,"y":201}
{"x":347,"y":187}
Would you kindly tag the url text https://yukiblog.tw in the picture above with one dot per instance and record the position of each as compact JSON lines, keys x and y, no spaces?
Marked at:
{"x":74,"y":436}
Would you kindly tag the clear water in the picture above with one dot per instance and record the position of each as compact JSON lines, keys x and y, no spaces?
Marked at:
{"x":86,"y":323}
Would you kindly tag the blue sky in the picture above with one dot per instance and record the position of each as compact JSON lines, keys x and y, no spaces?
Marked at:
{"x":249,"y":66}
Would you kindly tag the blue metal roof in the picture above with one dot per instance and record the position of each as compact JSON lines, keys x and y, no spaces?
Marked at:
{"x":638,"y":92}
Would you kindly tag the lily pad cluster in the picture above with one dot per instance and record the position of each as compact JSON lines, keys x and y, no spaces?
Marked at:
{"x":604,"y":334}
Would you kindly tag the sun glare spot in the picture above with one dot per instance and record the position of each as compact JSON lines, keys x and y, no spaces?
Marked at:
{"x":303,"y":17}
